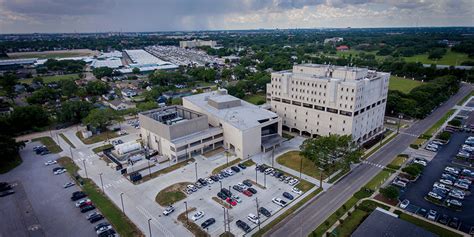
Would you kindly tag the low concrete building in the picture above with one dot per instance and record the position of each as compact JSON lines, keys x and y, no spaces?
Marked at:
{"x":178,"y":133}
{"x":118,"y":104}
{"x":247,"y":129}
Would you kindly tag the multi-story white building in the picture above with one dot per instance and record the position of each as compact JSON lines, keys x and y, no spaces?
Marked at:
{"x":318,"y":99}
{"x":197,"y":43}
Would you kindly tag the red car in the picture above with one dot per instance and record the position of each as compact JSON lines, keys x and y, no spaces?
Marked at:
{"x":85,"y":204}
{"x":247,"y":193}
{"x":231,"y":201}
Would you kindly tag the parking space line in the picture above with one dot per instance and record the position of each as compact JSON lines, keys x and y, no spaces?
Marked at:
{"x":157,"y":224}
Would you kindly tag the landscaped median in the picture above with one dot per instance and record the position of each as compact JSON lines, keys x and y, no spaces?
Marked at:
{"x":97,"y":138}
{"x":171,"y":194}
{"x":288,"y":212}
{"x":114,"y":215}
{"x":67,"y":140}
{"x":225,"y":166}
{"x":49,"y":143}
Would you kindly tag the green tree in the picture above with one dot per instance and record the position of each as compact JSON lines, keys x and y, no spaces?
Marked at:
{"x":390,"y":192}
{"x":330,"y":152}
{"x":8,"y":82}
{"x":68,"y":87}
{"x":136,"y":70}
{"x":73,"y":111}
{"x":43,"y":95}
{"x":28,"y":117}
{"x":9,"y":150}
{"x":97,"y":88}
{"x":100,"y":118}
{"x":102,"y":72}
{"x":147,"y":106}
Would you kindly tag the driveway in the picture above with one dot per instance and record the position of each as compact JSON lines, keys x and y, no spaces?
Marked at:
{"x":417,"y":191}
{"x":43,"y":206}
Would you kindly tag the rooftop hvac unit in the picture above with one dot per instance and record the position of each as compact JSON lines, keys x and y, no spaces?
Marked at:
{"x":127,"y":147}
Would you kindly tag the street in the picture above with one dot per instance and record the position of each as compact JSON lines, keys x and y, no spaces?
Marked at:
{"x":320,"y":208}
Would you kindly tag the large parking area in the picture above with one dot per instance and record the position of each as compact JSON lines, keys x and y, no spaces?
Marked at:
{"x":417,"y":192}
{"x":202,"y":200}
{"x":41,"y":206}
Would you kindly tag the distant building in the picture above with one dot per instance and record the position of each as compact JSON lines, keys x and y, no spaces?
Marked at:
{"x":13,"y":64}
{"x":333,"y":40}
{"x":118,"y":104}
{"x":144,"y":61}
{"x":342,"y":48}
{"x":384,"y":223}
{"x":129,"y":93}
{"x":315,"y":99}
{"x":197,"y":43}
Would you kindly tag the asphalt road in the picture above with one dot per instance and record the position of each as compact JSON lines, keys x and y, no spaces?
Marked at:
{"x":417,"y":191}
{"x":319,"y":209}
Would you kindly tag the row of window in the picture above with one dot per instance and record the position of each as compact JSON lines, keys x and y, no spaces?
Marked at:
{"x":198,"y":142}
{"x":369,"y":107}
{"x":316,"y":107}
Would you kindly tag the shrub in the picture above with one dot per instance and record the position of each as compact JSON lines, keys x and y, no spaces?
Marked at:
{"x":414,"y":146}
{"x":398,"y":212}
{"x":390,"y":192}
{"x":455,"y":122}
{"x":445,"y":136}
{"x":413,"y":169}
{"x":363,"y":193}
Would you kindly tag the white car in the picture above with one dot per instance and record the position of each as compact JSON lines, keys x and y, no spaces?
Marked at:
{"x":404,"y":204}
{"x":209,"y":181}
{"x":297,"y":191}
{"x":237,"y":198}
{"x":50,"y":162}
{"x":399,"y":183}
{"x":279,"y":202}
{"x":198,"y":215}
{"x":461,"y":185}
{"x":168,"y":210}
{"x":268,"y":171}
{"x":229,"y":172}
{"x":434,"y":195}
{"x":421,"y":162}
{"x":293,"y":182}
{"x":466,"y":181}
{"x":60,"y":171}
{"x":103,"y":229}
{"x":446,"y":181}
{"x":451,"y":170}
{"x":431,"y":149}
{"x":79,"y":203}
{"x":432,"y":215}
{"x":253,"y":218}
{"x":69,"y":184}
{"x":454,"y":202}
{"x":456,"y":195}
{"x":441,"y":186}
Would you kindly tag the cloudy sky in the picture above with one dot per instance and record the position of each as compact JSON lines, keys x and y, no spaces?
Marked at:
{"x":26,"y":16}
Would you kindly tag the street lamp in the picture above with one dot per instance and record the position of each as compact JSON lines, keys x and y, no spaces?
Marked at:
{"x":264,"y":180}
{"x":186,"y":206}
{"x":85,"y":168}
{"x":121,"y":199}
{"x":256,"y":170}
{"x":400,"y":116}
{"x":301,"y":165}
{"x":196,"y":170}
{"x":220,"y":182}
{"x":101,"y":182}
{"x":149,"y":226}
{"x":273,"y":155}
{"x":258,"y":213}
{"x":227,"y":156}
{"x":225,"y":224}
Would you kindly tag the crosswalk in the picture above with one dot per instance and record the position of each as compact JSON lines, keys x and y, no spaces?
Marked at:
{"x":409,"y":134}
{"x":373,"y":164}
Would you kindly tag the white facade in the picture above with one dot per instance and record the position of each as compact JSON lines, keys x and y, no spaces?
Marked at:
{"x":317,"y":99}
{"x":197,"y":43}
{"x":246,"y":127}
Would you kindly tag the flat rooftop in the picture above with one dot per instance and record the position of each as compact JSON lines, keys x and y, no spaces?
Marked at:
{"x":380,"y":223}
{"x":242,"y":115}
{"x":142,"y":57}
{"x":172,"y":115}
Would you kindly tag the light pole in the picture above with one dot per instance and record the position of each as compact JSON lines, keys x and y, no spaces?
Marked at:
{"x":227,"y":156}
{"x":85,"y":168}
{"x":225,"y":224}
{"x":186,"y":206}
{"x":264,"y":180}
{"x":400,"y":116}
{"x":101,"y":182}
{"x":149,"y":226}
{"x":301,"y":165}
{"x":196,"y":170}
{"x":256,"y":170}
{"x":121,"y":199}
{"x":70,"y":151}
{"x":273,"y":155}
{"x":321,"y":179}
{"x":228,"y":220}
{"x":258,"y":213}
{"x":220,"y":182}
{"x":149,"y":168}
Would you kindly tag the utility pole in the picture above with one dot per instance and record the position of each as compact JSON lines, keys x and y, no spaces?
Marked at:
{"x":256,"y":181}
{"x":228,"y":220}
{"x":273,"y":156}
{"x":264,"y":180}
{"x":101,"y":182}
{"x":225,"y":221}
{"x":258,"y":213}
{"x":149,"y":169}
{"x":227,"y":157}
{"x":70,"y":151}
{"x":220,"y":182}
{"x":196,"y":170}
{"x":149,"y":226}
{"x":301,"y":165}
{"x":187,"y":218}
{"x":121,"y":199}
{"x":399,"y":120}
{"x":85,"y":168}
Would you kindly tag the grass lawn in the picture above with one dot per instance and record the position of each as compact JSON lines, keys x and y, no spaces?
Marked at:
{"x":450,"y":58}
{"x":355,"y":53}
{"x":225,"y":166}
{"x":67,"y":140}
{"x":10,"y":164}
{"x":114,"y":215}
{"x":397,"y":162}
{"x":101,"y":148}
{"x":428,"y":226}
{"x":402,"y":84}
{"x":466,"y":98}
{"x":97,"y":138}
{"x":437,"y":125}
{"x":172,"y":194}
{"x":248,"y":163}
{"x":52,"y":54}
{"x":292,"y":160}
{"x":49,"y":143}
{"x":286,"y":213}
{"x":334,"y":217}
{"x":375,"y":183}
{"x":55,"y":78}
{"x":256,"y":99}
{"x":351,"y":223}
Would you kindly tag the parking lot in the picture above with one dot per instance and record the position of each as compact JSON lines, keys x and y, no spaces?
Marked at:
{"x":50,"y":212}
{"x":202,"y":200}
{"x":417,"y":191}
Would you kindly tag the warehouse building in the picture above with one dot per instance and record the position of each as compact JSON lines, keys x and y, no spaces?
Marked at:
{"x":321,"y":100}
{"x":247,"y":128}
{"x":144,"y":61}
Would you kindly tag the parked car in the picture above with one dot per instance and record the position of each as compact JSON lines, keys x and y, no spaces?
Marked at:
{"x":107,"y":233}
{"x":96,"y":218}
{"x":253,"y":218}
{"x":238,"y":188}
{"x":279,"y":202}
{"x":78,"y":204}
{"x":404,"y":204}
{"x":242,"y":166}
{"x":242,"y":225}
{"x":461,"y":185}
{"x":103,"y":229}
{"x":209,"y":181}
{"x":198,"y":215}
{"x":454,"y":202}
{"x":297,"y":191}
{"x":451,"y":170}
{"x":420,"y":161}
{"x":231,"y":201}
{"x":422,"y":212}
{"x":221,"y":195}
{"x":432,"y":215}
{"x":202,"y":181}
{"x":168,"y":210}
{"x":50,"y":162}
{"x":288,"y":195}
{"x":85,"y":204}
{"x":87,"y":208}
{"x":229,"y":172}
{"x":247,"y":193}
{"x":237,"y":198}
{"x":78,"y":195}
{"x":446,"y":181}
{"x":264,"y":211}
{"x":435,"y":195}
{"x":252,"y":190}
{"x":235,"y":169}
{"x":399,"y":183}
{"x":100,"y":225}
{"x":92,"y":214}
{"x":431,"y":149}
{"x":208,"y":223}
{"x":247,"y":183}
{"x":456,"y":195}
{"x":6,"y":193}
{"x":454,"y":223}
{"x":226,"y":192}
{"x":68,"y":184}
